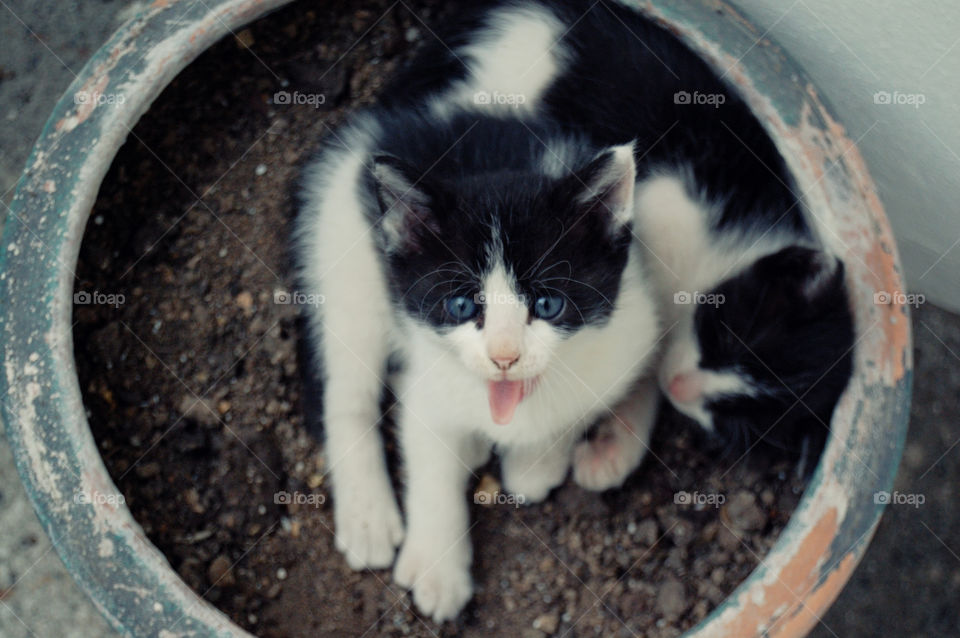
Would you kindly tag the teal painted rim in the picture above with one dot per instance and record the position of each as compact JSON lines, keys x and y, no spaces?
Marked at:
{"x":132,"y":583}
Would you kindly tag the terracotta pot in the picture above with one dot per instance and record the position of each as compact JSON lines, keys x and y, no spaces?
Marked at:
{"x":132,"y":583}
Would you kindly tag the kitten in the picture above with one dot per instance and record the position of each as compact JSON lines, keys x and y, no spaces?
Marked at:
{"x":512,"y":292}
{"x":478,"y":224}
{"x":769,"y":364}
{"x":761,"y":346}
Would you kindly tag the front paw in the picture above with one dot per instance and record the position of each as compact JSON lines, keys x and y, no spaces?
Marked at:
{"x":368,"y":527}
{"x":439,"y":576}
{"x":608,"y":459}
{"x":531,"y":474}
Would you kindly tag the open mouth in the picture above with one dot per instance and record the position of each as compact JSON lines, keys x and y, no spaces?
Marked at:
{"x":505,"y":395}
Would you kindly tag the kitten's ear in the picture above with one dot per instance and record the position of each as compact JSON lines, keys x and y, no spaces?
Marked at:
{"x":606,"y":185}
{"x":405,"y":204}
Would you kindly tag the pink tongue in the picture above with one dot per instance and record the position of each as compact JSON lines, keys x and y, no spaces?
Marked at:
{"x":505,"y":396}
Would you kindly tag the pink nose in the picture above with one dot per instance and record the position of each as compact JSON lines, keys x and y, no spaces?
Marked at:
{"x":504,"y":362}
{"x":685,"y":387}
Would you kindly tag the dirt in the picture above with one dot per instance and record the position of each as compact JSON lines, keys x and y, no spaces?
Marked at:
{"x":190,"y":378}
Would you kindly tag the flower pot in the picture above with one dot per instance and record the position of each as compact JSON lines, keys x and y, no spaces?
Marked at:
{"x":132,"y":583}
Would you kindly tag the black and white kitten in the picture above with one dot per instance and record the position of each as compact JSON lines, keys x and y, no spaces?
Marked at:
{"x":511,"y":290}
{"x":478,"y":223}
{"x":718,"y":213}
{"x":760,"y":348}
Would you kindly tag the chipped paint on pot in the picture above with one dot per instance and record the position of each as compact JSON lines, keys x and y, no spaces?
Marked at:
{"x":131,"y":582}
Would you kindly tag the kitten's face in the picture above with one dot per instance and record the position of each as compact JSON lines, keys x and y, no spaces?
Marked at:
{"x":500,"y":269}
{"x":774,"y":356}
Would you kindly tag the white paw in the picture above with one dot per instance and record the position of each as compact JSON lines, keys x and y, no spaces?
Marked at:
{"x":532,"y":483}
{"x":532,"y":474}
{"x":606,"y":461}
{"x":368,"y":526}
{"x":439,"y":577}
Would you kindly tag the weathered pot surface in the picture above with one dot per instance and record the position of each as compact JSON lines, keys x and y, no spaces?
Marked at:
{"x":132,"y":583}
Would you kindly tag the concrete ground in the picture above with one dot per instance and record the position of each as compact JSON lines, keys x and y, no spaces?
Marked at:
{"x":908,"y":585}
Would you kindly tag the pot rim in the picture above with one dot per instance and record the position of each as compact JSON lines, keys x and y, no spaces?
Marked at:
{"x":124,"y":574}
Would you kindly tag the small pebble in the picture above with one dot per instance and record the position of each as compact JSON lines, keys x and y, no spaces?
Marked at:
{"x":671,"y":599}
{"x":244,"y":300}
{"x":281,"y":574}
{"x":261,"y":169}
{"x":547,"y":623}
{"x":487,"y":490}
{"x":219,"y":572}
{"x":743,"y":513}
{"x":647,"y":532}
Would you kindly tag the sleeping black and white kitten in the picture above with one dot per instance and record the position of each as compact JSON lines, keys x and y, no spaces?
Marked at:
{"x":510,"y":289}
{"x":479,"y":223}
{"x":761,"y":345}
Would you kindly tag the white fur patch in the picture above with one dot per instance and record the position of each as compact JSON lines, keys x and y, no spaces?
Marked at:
{"x":513,"y":60}
{"x":685,"y":255}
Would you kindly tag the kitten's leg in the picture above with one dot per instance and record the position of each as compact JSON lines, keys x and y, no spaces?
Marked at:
{"x":435,"y":558}
{"x":533,"y":471}
{"x":340,"y":263}
{"x":367,"y":520}
{"x":620,"y":442}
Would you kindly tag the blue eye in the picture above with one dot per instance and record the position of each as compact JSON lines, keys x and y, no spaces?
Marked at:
{"x":461,"y":308}
{"x":548,"y":308}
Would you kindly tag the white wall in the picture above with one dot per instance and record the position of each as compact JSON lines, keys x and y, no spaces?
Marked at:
{"x":854,"y":48}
